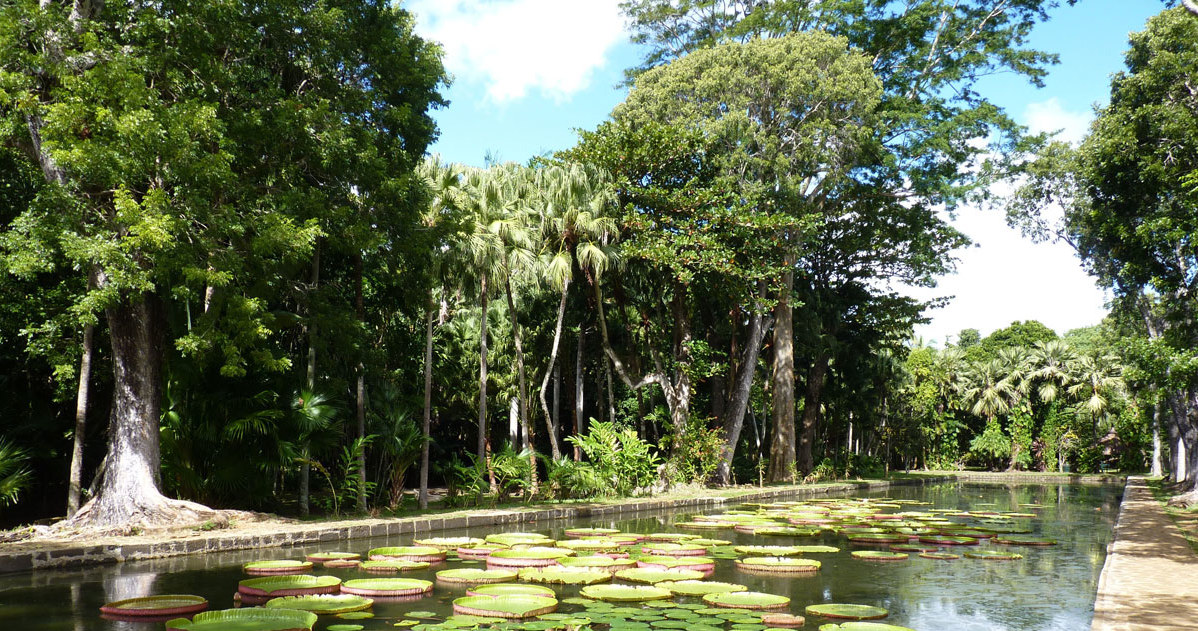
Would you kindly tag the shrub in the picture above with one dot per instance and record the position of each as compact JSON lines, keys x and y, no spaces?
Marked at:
{"x":619,"y":457}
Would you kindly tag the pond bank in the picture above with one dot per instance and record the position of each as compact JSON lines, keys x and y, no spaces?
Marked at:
{"x":39,"y":554}
{"x":1150,"y":579}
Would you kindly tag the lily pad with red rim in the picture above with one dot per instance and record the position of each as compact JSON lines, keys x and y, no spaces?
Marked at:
{"x":300,"y":585}
{"x":475,"y":575}
{"x":321,"y":603}
{"x":783,"y":620}
{"x":428,"y":554}
{"x":879,"y":555}
{"x":625,"y":593}
{"x":565,"y":575}
{"x":281,"y":566}
{"x":511,"y":589}
{"x":657,"y":575}
{"x":747,"y":600}
{"x":700,"y":588}
{"x":387,"y":587}
{"x":778,"y":565}
{"x":447,"y":543}
{"x":504,"y":606}
{"x":945,"y":540}
{"x":161,"y":605}
{"x":248,"y":619}
{"x":940,"y":556}
{"x":1021,"y":540}
{"x":993,"y":555}
{"x":845,"y":611}
{"x":393,"y":566}
{"x":863,"y":626}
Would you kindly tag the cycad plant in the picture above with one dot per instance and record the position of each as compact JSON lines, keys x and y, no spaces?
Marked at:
{"x":14,"y":476}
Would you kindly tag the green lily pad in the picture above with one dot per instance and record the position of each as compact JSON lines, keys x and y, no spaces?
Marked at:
{"x":321,"y":603}
{"x":669,"y":537}
{"x":276,"y":567}
{"x":504,"y":606}
{"x":345,"y":627}
{"x":747,"y":600}
{"x":511,"y":589}
{"x":392,"y":566}
{"x":597,"y":562}
{"x":322,"y":557}
{"x":699,"y":588}
{"x":247,"y":619}
{"x":565,"y":575}
{"x":674,"y":549}
{"x":356,"y":615}
{"x":701,"y":564}
{"x":704,"y":525}
{"x":475,"y":575}
{"x":532,"y":553}
{"x":653,"y":575}
{"x":423,"y":615}
{"x":778,"y":565}
{"x":863,"y":626}
{"x":914,"y":547}
{"x":783,"y":620}
{"x":387,"y":587}
{"x":625,"y":593}
{"x":940,"y":556}
{"x":879,"y":555}
{"x":161,"y":605}
{"x":709,"y":543}
{"x":788,"y":532}
{"x":408,"y":553}
{"x":592,"y":545}
{"x":993,"y":555}
{"x":875,"y":538}
{"x":296,"y":585}
{"x":447,"y":543}
{"x":847,"y":611}
{"x":945,"y":540}
{"x":769,"y":551}
{"x":816,"y":549}
{"x":590,"y":532}
{"x":1020,"y":540}
{"x":514,"y":538}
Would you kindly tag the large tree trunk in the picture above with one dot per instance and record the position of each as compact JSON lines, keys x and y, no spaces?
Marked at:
{"x":679,"y":396}
{"x":554,"y":368}
{"x":128,"y":493}
{"x":734,"y":421}
{"x":428,"y":402}
{"x":579,"y":402}
{"x":812,"y":400}
{"x":782,"y":447}
{"x":523,"y":384}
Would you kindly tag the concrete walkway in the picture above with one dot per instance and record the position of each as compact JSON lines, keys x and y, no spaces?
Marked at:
{"x":1150,"y":579}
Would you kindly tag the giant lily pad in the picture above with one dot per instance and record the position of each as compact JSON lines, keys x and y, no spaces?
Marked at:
{"x":511,"y":589}
{"x":993,"y":555}
{"x":704,"y":525}
{"x":657,"y":575}
{"x":301,"y":585}
{"x":945,"y":540}
{"x":1019,"y":540}
{"x":701,"y":564}
{"x":769,"y":551}
{"x":940,"y":556}
{"x":847,"y":611}
{"x":669,"y":537}
{"x":248,"y":619}
{"x":475,"y":575}
{"x":674,"y":549}
{"x":479,"y":551}
{"x":321,"y":603}
{"x":877,"y":538}
{"x":335,"y":559}
{"x":162,"y":605}
{"x":783,"y":620}
{"x":788,"y":532}
{"x":598,"y":562}
{"x":427,"y":554}
{"x":531,"y":557}
{"x":699,"y":588}
{"x":513,"y":538}
{"x":447,"y":543}
{"x":504,"y":606}
{"x":863,"y":626}
{"x":388,"y":587}
{"x":282,"y":566}
{"x":392,"y":566}
{"x":565,"y":575}
{"x":590,"y":532}
{"x":625,"y":593}
{"x":879,"y":555}
{"x":815,"y":549}
{"x":777,"y":565}
{"x":592,"y":545}
{"x":747,"y":600}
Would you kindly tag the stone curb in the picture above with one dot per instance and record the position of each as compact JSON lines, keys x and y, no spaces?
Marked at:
{"x":1032,"y":478}
{"x":72,"y":555}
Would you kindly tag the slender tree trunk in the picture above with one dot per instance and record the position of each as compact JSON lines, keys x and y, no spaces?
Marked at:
{"x":735,"y":419}
{"x":812,"y":400}
{"x":557,"y":406}
{"x":305,"y":467}
{"x":428,"y":402}
{"x":679,"y":396}
{"x":578,"y":391}
{"x":81,"y":401}
{"x":782,"y":448}
{"x":361,"y":389}
{"x":523,"y":384}
{"x":484,"y":442}
{"x":555,"y":369}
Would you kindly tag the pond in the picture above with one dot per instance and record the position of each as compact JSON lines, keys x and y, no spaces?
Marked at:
{"x":1049,"y":588}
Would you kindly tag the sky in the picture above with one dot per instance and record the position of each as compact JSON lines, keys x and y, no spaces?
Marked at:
{"x":528,"y":73}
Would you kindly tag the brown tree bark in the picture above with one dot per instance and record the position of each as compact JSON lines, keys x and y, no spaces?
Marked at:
{"x":782,"y":447}
{"x":812,"y":400}
{"x":75,"y":482}
{"x":361,"y":389}
{"x":554,"y":368}
{"x":484,"y":442}
{"x":523,"y":386}
{"x":735,"y":419}
{"x":425,"y":420}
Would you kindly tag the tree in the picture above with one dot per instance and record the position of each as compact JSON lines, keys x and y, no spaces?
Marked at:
{"x":173,"y":173}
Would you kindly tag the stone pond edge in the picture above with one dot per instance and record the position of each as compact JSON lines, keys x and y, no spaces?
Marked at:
{"x":73,"y":555}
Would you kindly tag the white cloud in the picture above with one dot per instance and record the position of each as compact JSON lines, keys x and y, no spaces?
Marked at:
{"x":1006,"y":277}
{"x":513,"y":47}
{"x":1050,"y":116}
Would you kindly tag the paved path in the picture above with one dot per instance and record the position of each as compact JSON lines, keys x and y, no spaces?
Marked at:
{"x":1150,"y":580}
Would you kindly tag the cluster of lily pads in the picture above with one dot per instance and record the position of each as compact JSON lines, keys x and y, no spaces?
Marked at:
{"x":628,"y":581}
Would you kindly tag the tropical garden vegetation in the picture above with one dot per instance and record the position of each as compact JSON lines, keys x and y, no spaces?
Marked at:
{"x":246,"y":284}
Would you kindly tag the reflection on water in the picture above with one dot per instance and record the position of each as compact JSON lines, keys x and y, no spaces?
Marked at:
{"x":1050,"y":589}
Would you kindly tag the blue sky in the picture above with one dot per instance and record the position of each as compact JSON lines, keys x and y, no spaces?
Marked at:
{"x":529,"y":72}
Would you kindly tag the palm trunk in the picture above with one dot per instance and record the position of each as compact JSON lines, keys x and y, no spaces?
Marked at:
{"x":554,"y":368}
{"x":523,"y":384}
{"x":81,"y":401}
{"x":428,"y":403}
{"x":782,"y":448}
{"x":305,"y":467}
{"x":735,"y":419}
{"x":484,"y":444}
{"x":361,"y":391}
{"x":578,"y":391}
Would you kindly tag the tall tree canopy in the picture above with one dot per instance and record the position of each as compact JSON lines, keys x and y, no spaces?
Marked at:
{"x":195,"y":153}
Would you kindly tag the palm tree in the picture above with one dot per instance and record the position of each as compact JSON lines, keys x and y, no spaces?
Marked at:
{"x":1097,"y":379}
{"x":989,"y":390}
{"x":312,"y":413}
{"x":14,"y":477}
{"x":575,"y":229}
{"x":1017,"y":362}
{"x":1052,"y":368}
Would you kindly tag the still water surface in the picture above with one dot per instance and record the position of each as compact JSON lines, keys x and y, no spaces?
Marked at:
{"x":1050,"y":589}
